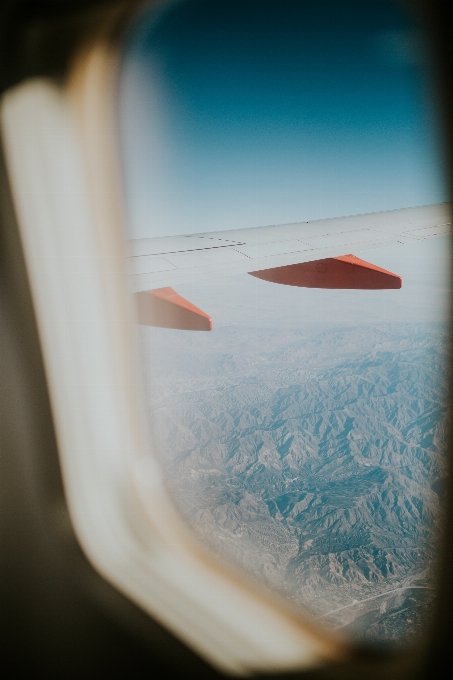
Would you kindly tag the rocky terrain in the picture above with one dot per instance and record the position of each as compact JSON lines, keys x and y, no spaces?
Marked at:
{"x":314,"y":461}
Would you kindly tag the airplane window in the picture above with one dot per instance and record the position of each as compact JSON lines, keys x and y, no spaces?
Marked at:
{"x":299,"y":413}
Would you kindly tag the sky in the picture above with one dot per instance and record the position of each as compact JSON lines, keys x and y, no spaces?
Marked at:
{"x":243,"y":113}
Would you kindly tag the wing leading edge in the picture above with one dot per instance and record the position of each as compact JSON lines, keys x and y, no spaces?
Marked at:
{"x":306,"y":254}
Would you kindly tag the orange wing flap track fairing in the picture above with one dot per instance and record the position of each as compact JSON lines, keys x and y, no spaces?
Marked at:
{"x":347,"y":272}
{"x":163,"y":307}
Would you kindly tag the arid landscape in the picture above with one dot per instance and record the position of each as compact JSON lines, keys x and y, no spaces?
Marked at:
{"x":313,"y":460}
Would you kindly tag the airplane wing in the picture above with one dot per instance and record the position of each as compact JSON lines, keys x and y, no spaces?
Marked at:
{"x":277,"y":253}
{"x":167,"y":261}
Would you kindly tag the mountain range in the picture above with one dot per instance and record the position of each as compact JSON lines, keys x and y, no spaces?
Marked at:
{"x":313,"y":461}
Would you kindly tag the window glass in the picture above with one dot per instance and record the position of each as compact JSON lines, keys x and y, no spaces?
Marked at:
{"x":304,"y":436}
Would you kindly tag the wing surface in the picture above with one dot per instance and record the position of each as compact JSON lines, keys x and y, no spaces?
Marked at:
{"x":167,"y":261}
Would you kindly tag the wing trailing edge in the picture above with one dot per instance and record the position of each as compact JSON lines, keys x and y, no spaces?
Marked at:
{"x":163,"y":307}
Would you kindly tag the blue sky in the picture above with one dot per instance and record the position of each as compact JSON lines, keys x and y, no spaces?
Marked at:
{"x":242,"y":113}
